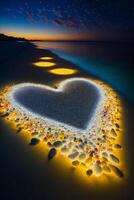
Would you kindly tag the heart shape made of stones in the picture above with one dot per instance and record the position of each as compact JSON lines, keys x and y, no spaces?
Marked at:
{"x":73,"y":103}
{"x":54,"y":114}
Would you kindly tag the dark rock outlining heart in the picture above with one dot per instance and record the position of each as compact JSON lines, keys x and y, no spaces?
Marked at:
{"x":72,"y":104}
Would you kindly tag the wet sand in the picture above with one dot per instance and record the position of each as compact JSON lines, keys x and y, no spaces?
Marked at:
{"x":25,"y":172}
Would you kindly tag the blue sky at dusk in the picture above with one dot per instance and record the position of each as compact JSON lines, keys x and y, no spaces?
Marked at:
{"x":68,"y":19}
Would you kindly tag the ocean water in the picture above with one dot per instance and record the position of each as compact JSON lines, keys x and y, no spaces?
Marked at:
{"x":110,"y":62}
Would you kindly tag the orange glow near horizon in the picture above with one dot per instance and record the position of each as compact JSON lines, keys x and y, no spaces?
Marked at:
{"x":35,"y":34}
{"x":41,"y":36}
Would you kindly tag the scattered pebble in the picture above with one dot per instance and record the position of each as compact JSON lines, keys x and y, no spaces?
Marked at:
{"x":64,"y":149}
{"x":113,"y":133}
{"x":73,"y":155}
{"x":116,"y":171}
{"x":5,"y":115}
{"x":35,"y":133}
{"x":89,"y":172}
{"x":57,"y":143}
{"x":34,"y":141}
{"x":97,"y":169}
{"x":81,"y":145}
{"x":49,"y":144}
{"x":104,"y":154}
{"x":117,"y":125}
{"x":114,"y":158}
{"x":82,"y":156}
{"x":52,"y":153}
{"x":75,"y":163}
{"x":19,"y":129}
{"x":109,"y":150}
{"x":117,"y":146}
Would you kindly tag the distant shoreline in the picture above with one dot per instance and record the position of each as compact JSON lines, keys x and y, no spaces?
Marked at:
{"x":4,"y":37}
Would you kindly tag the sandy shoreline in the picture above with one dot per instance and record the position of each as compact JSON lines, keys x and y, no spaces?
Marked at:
{"x":17,"y":64}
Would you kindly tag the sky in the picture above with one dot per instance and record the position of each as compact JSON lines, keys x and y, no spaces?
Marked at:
{"x":68,"y":19}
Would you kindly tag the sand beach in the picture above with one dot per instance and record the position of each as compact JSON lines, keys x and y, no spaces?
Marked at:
{"x":25,"y":170}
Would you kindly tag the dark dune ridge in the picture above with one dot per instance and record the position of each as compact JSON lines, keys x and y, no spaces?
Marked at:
{"x":74,"y":105}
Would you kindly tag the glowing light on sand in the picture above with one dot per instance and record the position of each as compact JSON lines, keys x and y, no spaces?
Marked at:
{"x":97,"y":151}
{"x":61,"y":88}
{"x":63,"y":71}
{"x":44,"y":64}
{"x":46,"y":58}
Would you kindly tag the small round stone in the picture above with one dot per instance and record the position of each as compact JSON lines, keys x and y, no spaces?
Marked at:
{"x":52,"y":153}
{"x":109,"y":150}
{"x":116,"y":171}
{"x":49,"y":144}
{"x":73,"y":155}
{"x":75,"y":163}
{"x":35,"y":133}
{"x":57,"y":143}
{"x":34,"y":141}
{"x":117,"y":146}
{"x":117,"y":125}
{"x":82,"y":156}
{"x":97,"y":169}
{"x":113,"y":133}
{"x":89,"y":172}
{"x":19,"y":129}
{"x":64,"y":149}
{"x":104,"y":154}
{"x":113,"y":158}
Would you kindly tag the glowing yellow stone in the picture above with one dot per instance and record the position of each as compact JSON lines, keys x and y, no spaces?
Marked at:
{"x":44,"y":64}
{"x":62,"y":71}
{"x":46,"y":58}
